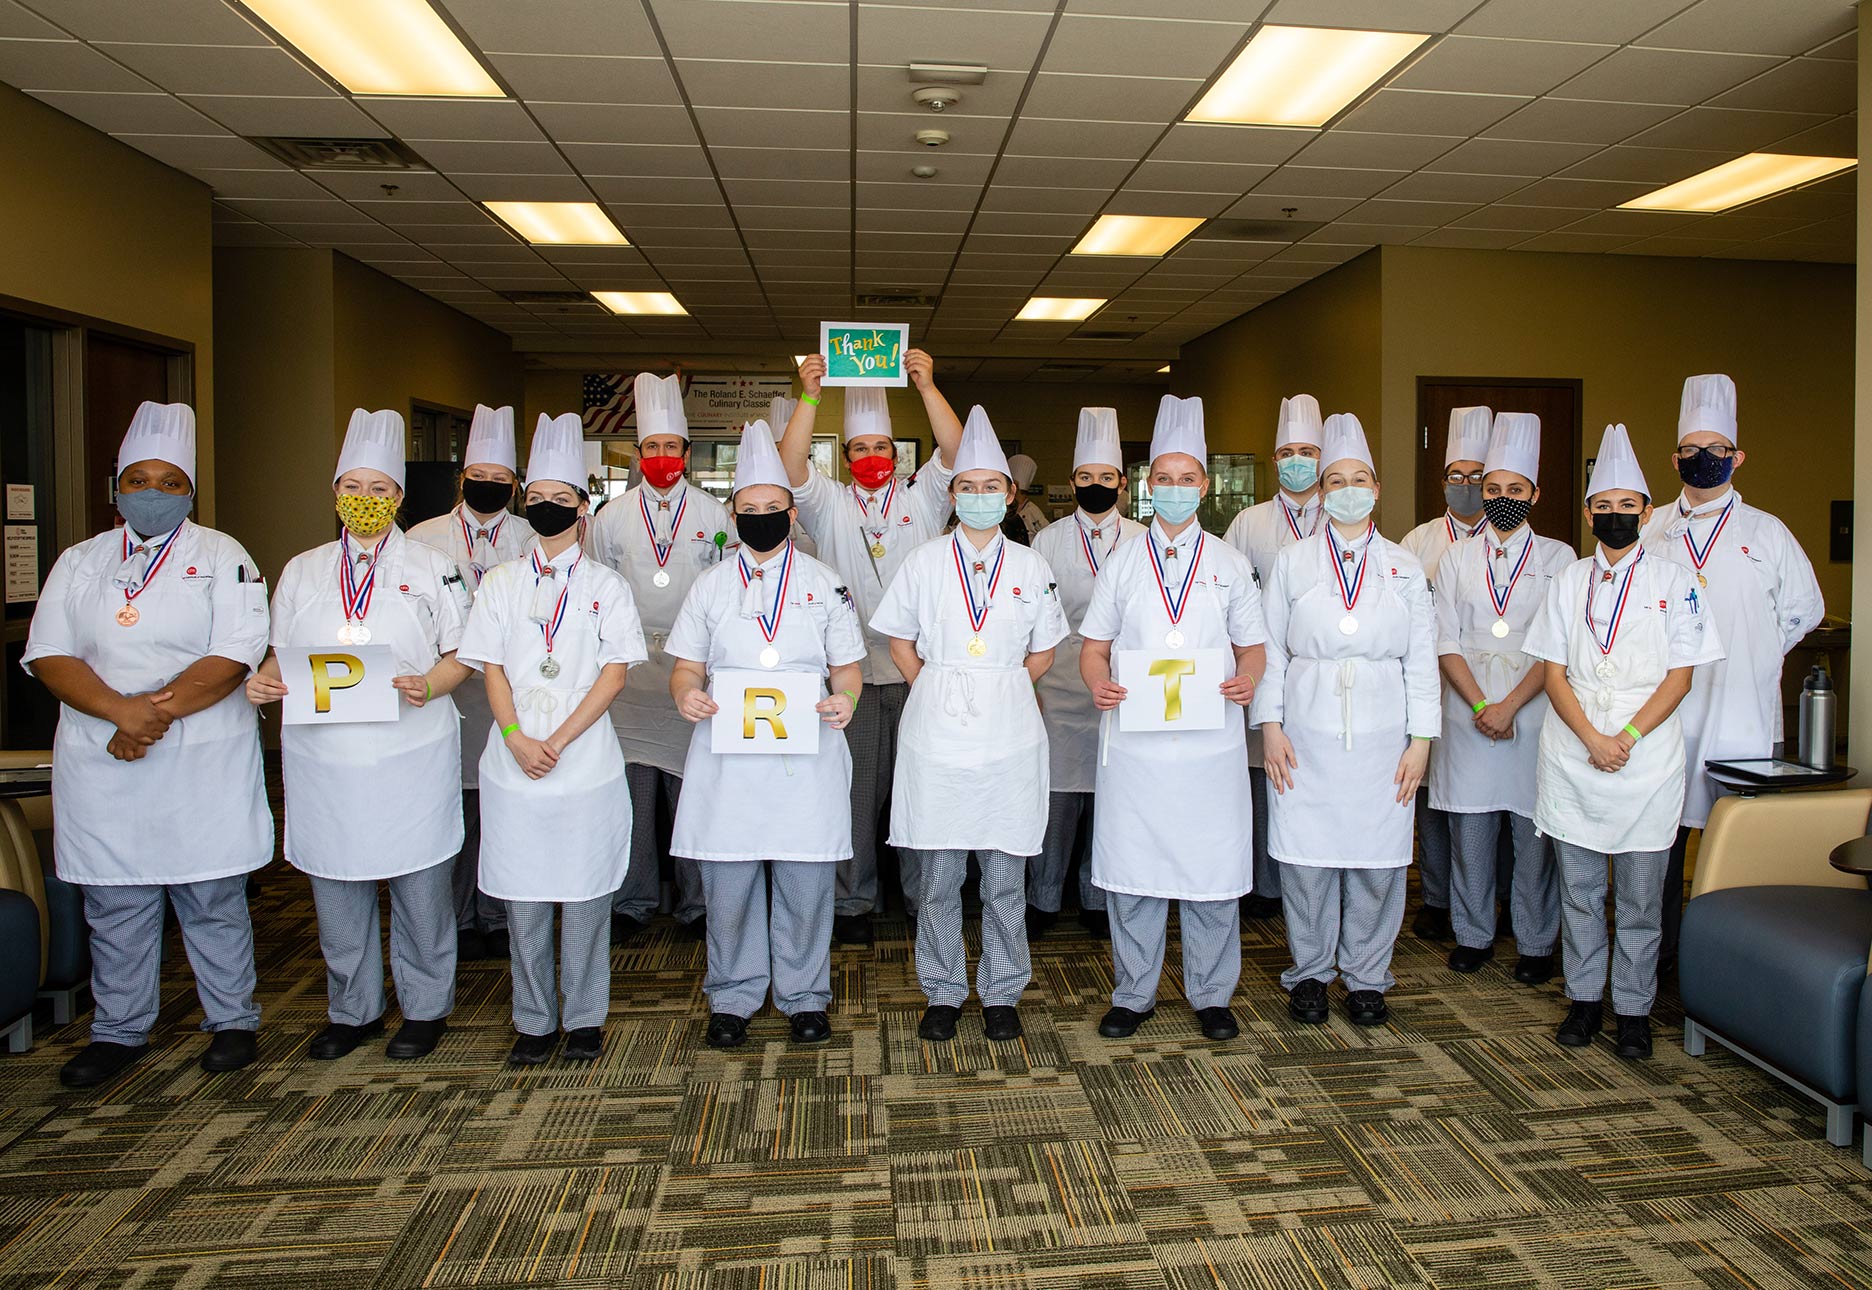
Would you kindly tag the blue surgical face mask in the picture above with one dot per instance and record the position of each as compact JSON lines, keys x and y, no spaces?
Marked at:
{"x":150,"y":511}
{"x":1351,"y":504}
{"x":981,"y":510}
{"x":1297,"y":474}
{"x":1175,"y":503}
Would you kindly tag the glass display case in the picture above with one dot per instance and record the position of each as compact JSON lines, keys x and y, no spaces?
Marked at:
{"x":1231,"y":490}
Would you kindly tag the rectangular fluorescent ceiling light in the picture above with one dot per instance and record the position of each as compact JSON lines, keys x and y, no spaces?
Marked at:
{"x":559,"y":223}
{"x":639,"y":302}
{"x":1735,"y":183}
{"x":1058,"y":309}
{"x":1135,"y":234}
{"x":1163,"y":369}
{"x":1302,"y":76}
{"x":380,"y":46}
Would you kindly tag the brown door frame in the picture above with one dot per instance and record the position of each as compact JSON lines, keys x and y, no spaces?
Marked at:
{"x":1574,"y":481}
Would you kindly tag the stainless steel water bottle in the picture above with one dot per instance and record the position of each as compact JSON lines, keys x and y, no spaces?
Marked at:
{"x":1818,"y":718}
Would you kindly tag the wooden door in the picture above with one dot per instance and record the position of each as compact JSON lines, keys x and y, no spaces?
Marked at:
{"x":118,"y":375}
{"x":1556,"y":403}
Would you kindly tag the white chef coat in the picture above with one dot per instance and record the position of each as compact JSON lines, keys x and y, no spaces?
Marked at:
{"x":971,"y":768}
{"x":1072,"y":722}
{"x":1764,"y":597}
{"x":1032,"y":517}
{"x":1349,"y":704}
{"x":1429,"y":540}
{"x":475,"y":548}
{"x":372,"y":800}
{"x":698,"y":534}
{"x":1263,"y":531}
{"x":1175,"y":817}
{"x":564,"y":837}
{"x":193,"y":807}
{"x":1470,"y":772}
{"x":1664,"y":626}
{"x":845,"y":521}
{"x":767,"y":806}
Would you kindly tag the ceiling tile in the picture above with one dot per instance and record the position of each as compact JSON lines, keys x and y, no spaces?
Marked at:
{"x":1799,"y":85}
{"x":456,"y":119}
{"x":19,"y":24}
{"x":1106,"y":46}
{"x":219,"y":69}
{"x":1579,"y":121}
{"x":617,"y":159}
{"x":1197,"y":177}
{"x":1073,"y":172}
{"x":1523,"y":218}
{"x":587,"y":78}
{"x":145,"y":113}
{"x":918,"y":195}
{"x":524,"y":188}
{"x":757,"y":128}
{"x":1486,"y":65}
{"x":1040,"y":137}
{"x":1675,"y":76}
{"x":1110,"y":98}
{"x":1725,"y":129}
{"x":1316,"y":181}
{"x":1835,"y":138}
{"x":175,"y":22}
{"x":300,"y":117}
{"x":1633,"y":223}
{"x":1511,"y":157}
{"x":889,"y":89}
{"x":1073,"y":201}
{"x":491,"y":158}
{"x":782,"y":163}
{"x":809,"y":87}
{"x":318,"y":210}
{"x":1139,"y":201}
{"x":33,"y":65}
{"x":1383,"y":151}
{"x":276,"y":184}
{"x":613,"y":123}
{"x":1429,"y":112}
{"x":1605,"y":21}
{"x":1600,"y":242}
{"x":1588,"y":194}
{"x":1373,"y":15}
{"x":1752,"y":27}
{"x":1655,"y":166}
{"x":192,"y":151}
{"x":411,"y":186}
{"x":1385,"y":210}
{"x":952,"y":169}
{"x":913,"y":221}
{"x":1844,"y":49}
{"x":1231,"y":144}
{"x":773,"y":30}
{"x":1475,"y":239}
{"x":658,"y":189}
{"x":602,"y":27}
{"x":1272,"y":206}
{"x":831,"y":194}
{"x":896,"y":36}
{"x":1431,"y":186}
{"x":752,"y":216}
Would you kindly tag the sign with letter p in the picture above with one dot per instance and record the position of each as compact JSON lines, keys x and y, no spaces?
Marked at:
{"x":339,"y":684}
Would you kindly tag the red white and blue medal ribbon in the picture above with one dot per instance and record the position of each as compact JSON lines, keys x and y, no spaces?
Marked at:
{"x":1293,"y":525}
{"x":662,"y":549}
{"x":1175,"y":605}
{"x":1507,"y":593}
{"x":884,"y":509}
{"x":977,"y":610}
{"x":1085,"y":541}
{"x":1352,"y":586}
{"x":549,"y":667}
{"x":1699,"y":558}
{"x":156,"y":563}
{"x":1618,"y":607}
{"x":1449,"y":522}
{"x":354,"y":595}
{"x":468,"y":541}
{"x":770,"y":622}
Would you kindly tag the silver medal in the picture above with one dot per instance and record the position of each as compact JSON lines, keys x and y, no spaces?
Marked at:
{"x":1603,"y":669}
{"x":660,"y":577}
{"x":549,"y":667}
{"x":1174,"y":639}
{"x":1348,"y":625}
{"x":1500,"y":629}
{"x":770,"y":657}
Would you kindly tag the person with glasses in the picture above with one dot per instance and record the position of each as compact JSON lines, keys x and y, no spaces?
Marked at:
{"x":1760,"y":589}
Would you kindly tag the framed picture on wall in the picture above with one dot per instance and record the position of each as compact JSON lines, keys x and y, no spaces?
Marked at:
{"x":907,"y":450}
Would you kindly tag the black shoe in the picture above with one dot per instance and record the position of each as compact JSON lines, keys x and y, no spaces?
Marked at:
{"x":584,"y":1044}
{"x":1634,"y":1037}
{"x":1258,"y":906}
{"x":1581,"y":1024}
{"x":1431,"y":924}
{"x":1002,"y":1023}
{"x":1040,"y":922}
{"x":1534,"y":969}
{"x":939,"y":1022}
{"x":499,"y":946}
{"x":1367,"y":1008}
{"x":725,"y":1030}
{"x":697,"y":928}
{"x":1097,"y":923}
{"x":230,"y":1050}
{"x":855,"y":929}
{"x":1122,"y":1023}
{"x":624,"y":928}
{"x":338,"y":1039}
{"x":810,"y":1027}
{"x":470,"y":945}
{"x":1307,"y":1002}
{"x":531,"y":1050}
{"x":415,"y":1039}
{"x":1467,"y":958}
{"x":1217,"y":1024}
{"x":99,"y":1062}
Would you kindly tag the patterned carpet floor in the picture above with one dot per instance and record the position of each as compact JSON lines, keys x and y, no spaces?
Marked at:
{"x":1456,"y":1147}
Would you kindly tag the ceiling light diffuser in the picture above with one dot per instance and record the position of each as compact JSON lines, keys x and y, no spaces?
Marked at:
{"x":1302,"y":76}
{"x":559,"y":223}
{"x":380,"y":46}
{"x":1736,"y":183}
{"x":639,"y":302}
{"x":1143,"y":235}
{"x":1058,"y":309}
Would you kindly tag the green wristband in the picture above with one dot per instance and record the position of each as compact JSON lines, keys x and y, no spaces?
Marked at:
{"x":854,"y":698}
{"x":807,"y":398}
{"x":1632,"y":730}
{"x":1425,"y":738}
{"x":508,"y":730}
{"x":428,"y":693}
{"x":1478,"y":705}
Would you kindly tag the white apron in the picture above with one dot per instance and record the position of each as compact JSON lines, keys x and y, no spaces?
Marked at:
{"x":193,"y":807}
{"x":1072,"y":721}
{"x":373,"y":800}
{"x":767,"y":806}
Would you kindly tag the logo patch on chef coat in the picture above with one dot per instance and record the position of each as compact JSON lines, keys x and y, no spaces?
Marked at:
{"x":191,"y":571}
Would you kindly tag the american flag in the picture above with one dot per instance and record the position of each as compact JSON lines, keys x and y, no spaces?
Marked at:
{"x":609,"y":402}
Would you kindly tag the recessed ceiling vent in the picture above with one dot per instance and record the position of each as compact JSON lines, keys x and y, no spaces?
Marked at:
{"x":341,"y":154}
{"x":1260,"y":230}
{"x":895,"y":300}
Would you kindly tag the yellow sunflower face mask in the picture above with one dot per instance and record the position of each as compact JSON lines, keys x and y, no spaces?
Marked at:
{"x":364,"y":515}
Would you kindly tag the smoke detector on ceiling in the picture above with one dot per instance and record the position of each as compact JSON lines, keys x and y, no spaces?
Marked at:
{"x":937,"y":97}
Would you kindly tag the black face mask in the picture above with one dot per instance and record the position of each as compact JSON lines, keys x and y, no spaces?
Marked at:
{"x":550,"y":519}
{"x":1705,"y":470}
{"x":1615,"y":530}
{"x":762,"y":532}
{"x":1506,"y":514}
{"x":486,"y":496}
{"x":1095,"y":499}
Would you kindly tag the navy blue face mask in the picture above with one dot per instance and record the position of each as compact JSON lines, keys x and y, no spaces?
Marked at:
{"x":1706,"y":469}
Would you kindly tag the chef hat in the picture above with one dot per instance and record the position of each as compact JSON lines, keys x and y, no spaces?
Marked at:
{"x":1616,"y":465}
{"x":780,"y":410}
{"x":1345,"y":441}
{"x":558,"y":450}
{"x":1709,"y":403}
{"x":757,"y":461}
{"x":491,"y":439}
{"x":373,"y":441}
{"x":659,"y":406}
{"x":1179,"y":428}
{"x":1023,"y":468}
{"x":1097,"y":444}
{"x":160,"y":432}
{"x":979,"y":449}
{"x":866,"y":412}
{"x":1514,"y":444}
{"x":1468,"y":434}
{"x":1299,"y":422}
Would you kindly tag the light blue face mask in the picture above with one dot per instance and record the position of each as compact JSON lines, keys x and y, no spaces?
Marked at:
{"x":1175,"y":503}
{"x":152,"y":512}
{"x":981,"y":510}
{"x":1351,"y":504}
{"x":1297,"y":474}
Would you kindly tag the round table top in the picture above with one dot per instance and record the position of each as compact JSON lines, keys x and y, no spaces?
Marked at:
{"x":26,"y":781}
{"x":1854,"y":856}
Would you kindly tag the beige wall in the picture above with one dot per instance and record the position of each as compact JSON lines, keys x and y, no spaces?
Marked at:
{"x":1859,"y":750}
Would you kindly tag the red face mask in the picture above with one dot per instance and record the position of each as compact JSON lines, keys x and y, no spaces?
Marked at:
{"x":874,"y":471}
{"x":661,"y":472}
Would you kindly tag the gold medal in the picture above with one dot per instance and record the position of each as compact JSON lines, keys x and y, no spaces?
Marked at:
{"x":977,"y":646}
{"x":1702,"y":581}
{"x":127,"y":616}
{"x":877,"y":550}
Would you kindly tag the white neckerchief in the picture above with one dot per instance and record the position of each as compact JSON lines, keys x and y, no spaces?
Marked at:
{"x":663,"y":509}
{"x":1707,"y":509}
{"x":980,"y":562}
{"x":755,"y":599}
{"x":135,"y":568}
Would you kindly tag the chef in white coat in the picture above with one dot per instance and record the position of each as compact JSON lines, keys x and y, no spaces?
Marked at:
{"x":866,"y":530}
{"x":1619,"y":635}
{"x":371,"y":802}
{"x":1261,"y":532}
{"x":479,"y":532}
{"x":661,"y":535}
{"x":144,"y":635}
{"x":1348,"y":709}
{"x":754,"y":817}
{"x":1026,"y":511}
{"x":780,"y":410}
{"x":972,"y":620}
{"x":1489,"y":587}
{"x":555,"y":633}
{"x":1463,"y":452}
{"x":1076,"y":549}
{"x":1759,"y":587}
{"x":1174,"y":589}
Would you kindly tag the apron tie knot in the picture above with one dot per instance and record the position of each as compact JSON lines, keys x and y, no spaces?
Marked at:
{"x":959,"y":694}
{"x":1342,"y":686}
